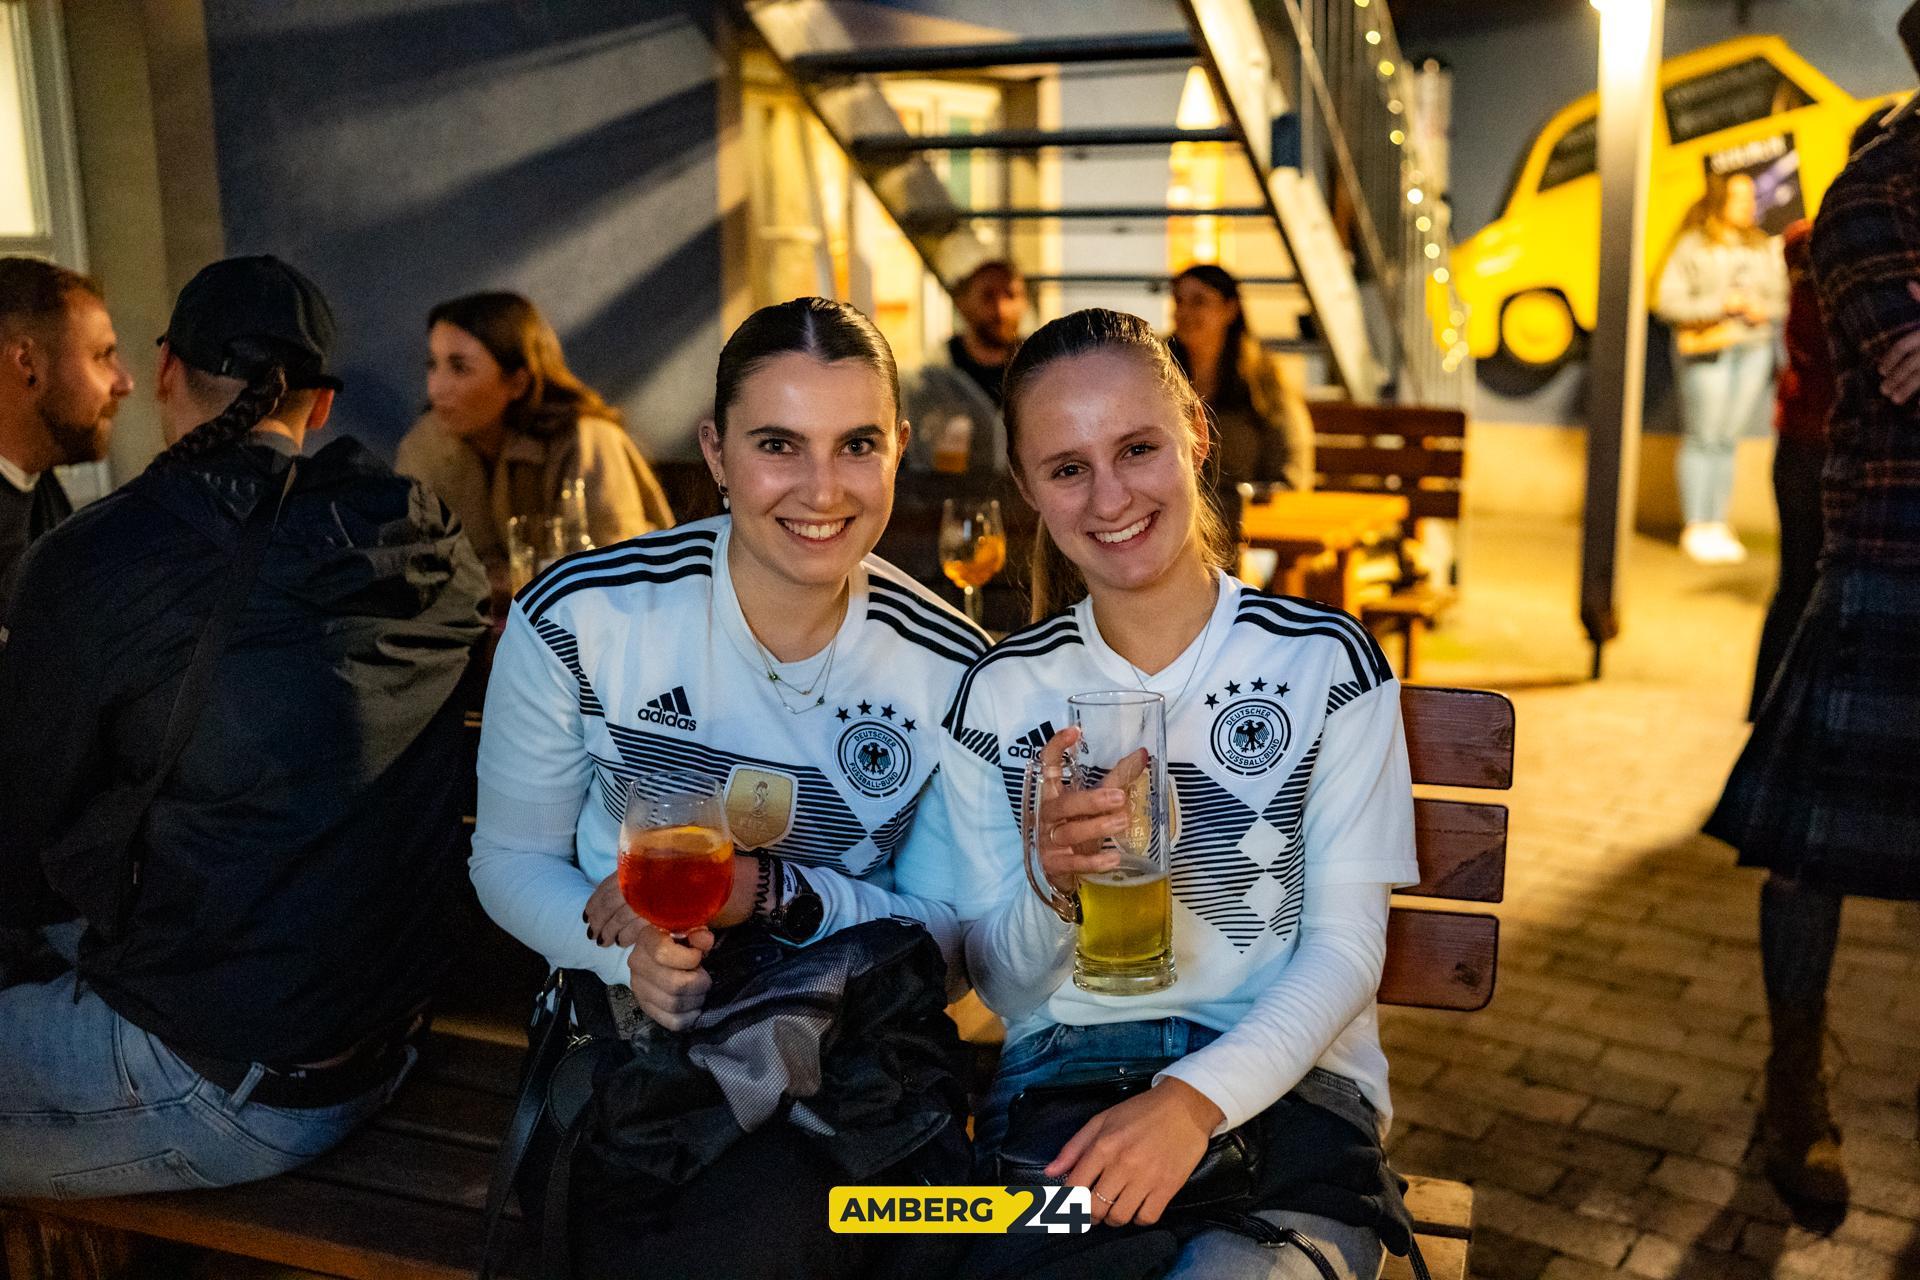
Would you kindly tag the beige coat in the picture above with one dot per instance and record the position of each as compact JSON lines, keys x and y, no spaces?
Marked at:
{"x":623,"y":498}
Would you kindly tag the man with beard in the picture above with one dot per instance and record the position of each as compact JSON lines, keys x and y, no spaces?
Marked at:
{"x":954,"y":403}
{"x":61,"y":381}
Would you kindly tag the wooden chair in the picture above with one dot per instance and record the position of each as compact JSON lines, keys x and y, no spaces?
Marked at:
{"x":1416,"y":453}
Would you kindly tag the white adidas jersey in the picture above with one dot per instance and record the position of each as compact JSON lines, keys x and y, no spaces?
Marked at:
{"x":637,"y":657}
{"x":1259,"y":810}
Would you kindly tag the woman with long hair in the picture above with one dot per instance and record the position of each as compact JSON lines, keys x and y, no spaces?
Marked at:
{"x":1723,"y":291}
{"x":1264,"y":431}
{"x":1293,"y":820}
{"x":509,"y":426}
{"x":768,"y":652}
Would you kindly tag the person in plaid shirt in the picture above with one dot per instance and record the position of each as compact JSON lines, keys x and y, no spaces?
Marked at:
{"x":1826,"y":795}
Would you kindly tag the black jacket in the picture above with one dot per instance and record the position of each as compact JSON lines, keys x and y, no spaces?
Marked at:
{"x":303,"y":861}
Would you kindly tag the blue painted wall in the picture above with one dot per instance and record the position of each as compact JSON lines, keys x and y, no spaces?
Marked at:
{"x":406,"y":151}
{"x":1498,"y":108}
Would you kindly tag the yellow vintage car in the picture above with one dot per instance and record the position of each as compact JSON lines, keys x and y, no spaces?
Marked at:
{"x":1752,"y":104}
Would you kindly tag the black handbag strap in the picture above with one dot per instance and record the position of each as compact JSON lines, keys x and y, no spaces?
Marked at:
{"x":556,"y":1241}
{"x":549,"y":1041}
{"x":190,"y":699}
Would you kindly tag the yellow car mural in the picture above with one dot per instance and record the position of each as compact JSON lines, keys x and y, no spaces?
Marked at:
{"x":1752,"y":104}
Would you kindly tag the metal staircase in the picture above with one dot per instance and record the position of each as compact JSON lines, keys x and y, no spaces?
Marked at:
{"x":1308,"y":115}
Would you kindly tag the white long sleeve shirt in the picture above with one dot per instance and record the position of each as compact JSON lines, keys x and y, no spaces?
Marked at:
{"x":637,"y":657}
{"x":1293,"y":819}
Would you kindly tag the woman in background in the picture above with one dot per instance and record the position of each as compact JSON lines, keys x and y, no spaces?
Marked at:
{"x":1264,"y":434}
{"x":1723,"y":291}
{"x":508,"y":426}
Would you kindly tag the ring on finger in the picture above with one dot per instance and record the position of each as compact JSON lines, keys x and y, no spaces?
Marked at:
{"x":1102,"y":1199}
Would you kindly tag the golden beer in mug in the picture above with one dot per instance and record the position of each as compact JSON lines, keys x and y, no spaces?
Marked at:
{"x":1125,"y":943}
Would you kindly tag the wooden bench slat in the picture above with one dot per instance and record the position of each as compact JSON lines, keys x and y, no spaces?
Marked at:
{"x":1458,"y":737}
{"x":446,"y":1113}
{"x":1343,"y":417}
{"x":300,"y":1223}
{"x":1446,"y":1260}
{"x":1462,"y":848}
{"x":481,"y":1065}
{"x":1440,"y":1206}
{"x":1440,"y":959}
{"x":1380,"y":460}
{"x":399,"y":1164}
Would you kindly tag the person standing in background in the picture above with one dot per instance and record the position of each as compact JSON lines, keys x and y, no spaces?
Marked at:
{"x":1826,"y":795}
{"x":1722,"y":291}
{"x":509,"y":426}
{"x":1802,"y":400}
{"x":954,"y":403}
{"x":61,"y":382}
{"x":1265,"y":434}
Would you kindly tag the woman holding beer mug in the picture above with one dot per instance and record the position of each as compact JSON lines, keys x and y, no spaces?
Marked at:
{"x":1290,"y":817}
{"x":767,"y":651}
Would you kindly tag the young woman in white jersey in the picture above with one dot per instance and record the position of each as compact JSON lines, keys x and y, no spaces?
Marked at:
{"x":1288,"y":840}
{"x":767,"y":650}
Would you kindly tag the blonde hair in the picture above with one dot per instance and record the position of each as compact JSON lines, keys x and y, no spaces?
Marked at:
{"x":1053,"y":581}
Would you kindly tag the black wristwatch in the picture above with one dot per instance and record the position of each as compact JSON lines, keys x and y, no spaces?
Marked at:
{"x":795,"y":913}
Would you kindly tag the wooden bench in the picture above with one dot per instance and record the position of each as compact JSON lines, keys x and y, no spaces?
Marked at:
{"x":1413,"y":452}
{"x":403,"y":1198}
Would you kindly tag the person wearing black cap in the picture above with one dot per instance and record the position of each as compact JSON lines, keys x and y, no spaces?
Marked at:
{"x":233,"y":782}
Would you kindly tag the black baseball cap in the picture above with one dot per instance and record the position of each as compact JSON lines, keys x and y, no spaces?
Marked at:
{"x":240,"y":314}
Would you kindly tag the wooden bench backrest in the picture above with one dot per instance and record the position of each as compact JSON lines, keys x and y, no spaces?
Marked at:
{"x":1404,"y":449}
{"x":1445,"y":959}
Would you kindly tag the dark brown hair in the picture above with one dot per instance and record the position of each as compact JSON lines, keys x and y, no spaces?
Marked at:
{"x":820,"y":327}
{"x":518,"y":337}
{"x":1054,"y":582}
{"x":35,"y":291}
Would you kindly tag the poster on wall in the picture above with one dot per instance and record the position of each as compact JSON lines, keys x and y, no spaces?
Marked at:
{"x":1774,"y":165}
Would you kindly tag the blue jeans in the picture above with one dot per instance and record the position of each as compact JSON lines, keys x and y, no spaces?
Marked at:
{"x":1720,"y":400}
{"x":91,"y":1105}
{"x":1355,"y":1252}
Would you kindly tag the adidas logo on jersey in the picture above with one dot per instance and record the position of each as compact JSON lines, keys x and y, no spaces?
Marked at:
{"x":1028,"y":746}
{"x":671,"y":710}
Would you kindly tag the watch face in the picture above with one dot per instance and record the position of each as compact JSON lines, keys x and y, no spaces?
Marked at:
{"x":800,"y":918}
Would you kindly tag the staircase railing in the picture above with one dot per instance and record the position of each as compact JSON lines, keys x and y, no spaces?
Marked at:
{"x":1351,"y":125}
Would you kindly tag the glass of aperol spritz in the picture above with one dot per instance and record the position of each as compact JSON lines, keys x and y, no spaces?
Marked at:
{"x":676,"y":856}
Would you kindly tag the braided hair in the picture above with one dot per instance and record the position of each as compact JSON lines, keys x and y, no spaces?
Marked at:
{"x":266,"y":386}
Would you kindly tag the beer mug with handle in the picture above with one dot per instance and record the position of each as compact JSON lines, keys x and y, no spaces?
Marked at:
{"x":1125,"y":946}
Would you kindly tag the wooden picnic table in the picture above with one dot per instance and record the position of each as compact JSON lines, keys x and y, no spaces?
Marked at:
{"x":1317,"y":536}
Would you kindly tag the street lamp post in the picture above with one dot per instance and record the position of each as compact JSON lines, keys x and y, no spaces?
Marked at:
{"x":1630,"y":33}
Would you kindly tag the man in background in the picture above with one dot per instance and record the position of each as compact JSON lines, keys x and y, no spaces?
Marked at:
{"x":954,"y":403}
{"x":61,"y":381}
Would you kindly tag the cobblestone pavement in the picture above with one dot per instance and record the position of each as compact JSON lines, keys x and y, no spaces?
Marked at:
{"x":1602,"y":1106}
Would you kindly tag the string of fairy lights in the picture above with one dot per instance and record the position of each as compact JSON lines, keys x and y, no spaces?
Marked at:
{"x":1428,"y":236}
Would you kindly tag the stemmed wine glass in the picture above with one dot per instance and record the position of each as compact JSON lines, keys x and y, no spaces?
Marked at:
{"x":676,"y":855}
{"x":973,"y":546}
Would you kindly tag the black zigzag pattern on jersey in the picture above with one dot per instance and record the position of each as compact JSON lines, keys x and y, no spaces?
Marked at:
{"x":1339,"y":695}
{"x":1041,"y":638}
{"x":825,"y":831}
{"x":654,"y":557}
{"x":981,"y":743}
{"x":1290,"y":616}
{"x":1015,"y":781}
{"x":893,"y":832}
{"x":566,"y":647}
{"x":1287,"y":812}
{"x":1211,"y":876}
{"x":921,"y":623}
